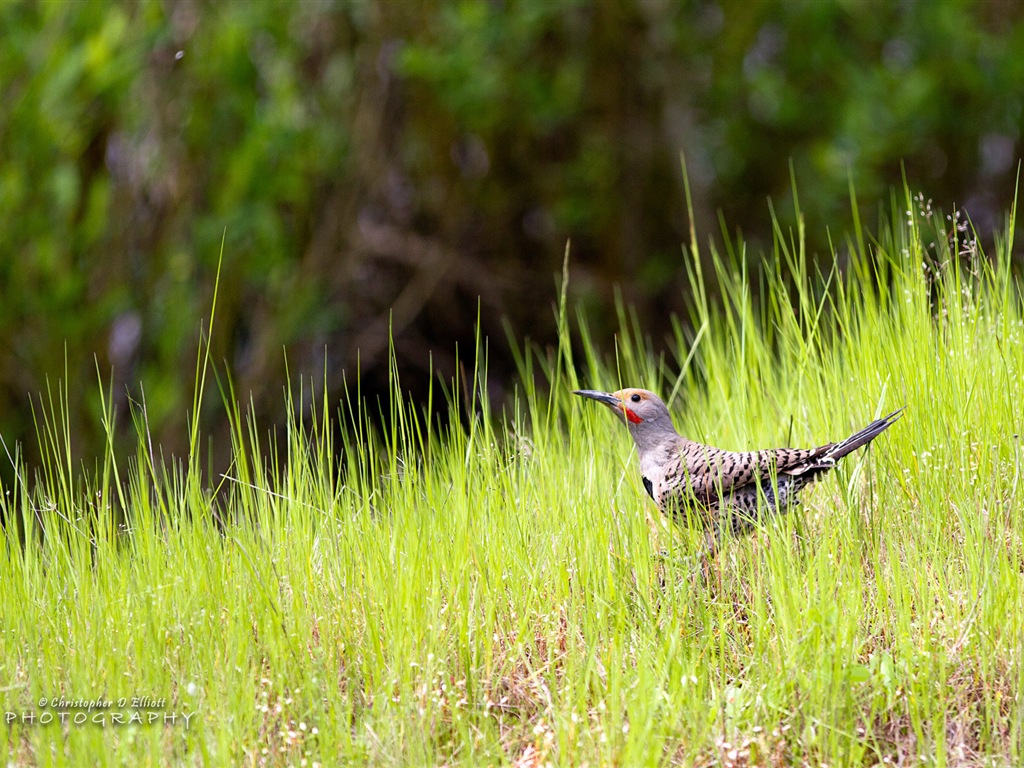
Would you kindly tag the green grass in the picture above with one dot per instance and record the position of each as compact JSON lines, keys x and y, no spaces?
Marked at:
{"x":496,"y":591}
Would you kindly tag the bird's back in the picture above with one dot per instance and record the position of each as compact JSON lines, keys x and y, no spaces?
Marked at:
{"x":692,"y":481}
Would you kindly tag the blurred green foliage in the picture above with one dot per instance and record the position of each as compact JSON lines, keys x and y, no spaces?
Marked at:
{"x":380,"y":165}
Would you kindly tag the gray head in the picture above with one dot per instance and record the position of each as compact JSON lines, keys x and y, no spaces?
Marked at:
{"x":641,"y":411}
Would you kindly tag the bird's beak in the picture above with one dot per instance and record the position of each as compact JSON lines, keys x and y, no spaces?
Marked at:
{"x":602,"y":397}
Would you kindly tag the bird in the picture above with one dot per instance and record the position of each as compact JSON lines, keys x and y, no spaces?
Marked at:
{"x":713,"y":488}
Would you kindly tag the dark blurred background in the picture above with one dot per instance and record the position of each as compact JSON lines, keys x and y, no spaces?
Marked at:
{"x":398,"y":164}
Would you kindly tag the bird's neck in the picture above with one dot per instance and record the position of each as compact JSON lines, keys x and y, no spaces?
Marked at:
{"x":654,"y":445}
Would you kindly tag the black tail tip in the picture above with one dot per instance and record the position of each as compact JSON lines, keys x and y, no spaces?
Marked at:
{"x":894,"y":415}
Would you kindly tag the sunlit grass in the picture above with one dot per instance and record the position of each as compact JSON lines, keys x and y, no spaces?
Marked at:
{"x":496,"y":587}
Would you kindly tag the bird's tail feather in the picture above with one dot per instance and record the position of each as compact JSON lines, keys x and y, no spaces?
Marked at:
{"x":862,"y":438}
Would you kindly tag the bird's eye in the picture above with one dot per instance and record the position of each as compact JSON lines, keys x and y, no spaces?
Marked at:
{"x":635,"y":398}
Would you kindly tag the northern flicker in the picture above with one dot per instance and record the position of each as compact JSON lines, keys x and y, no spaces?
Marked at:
{"x":714,"y":488}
